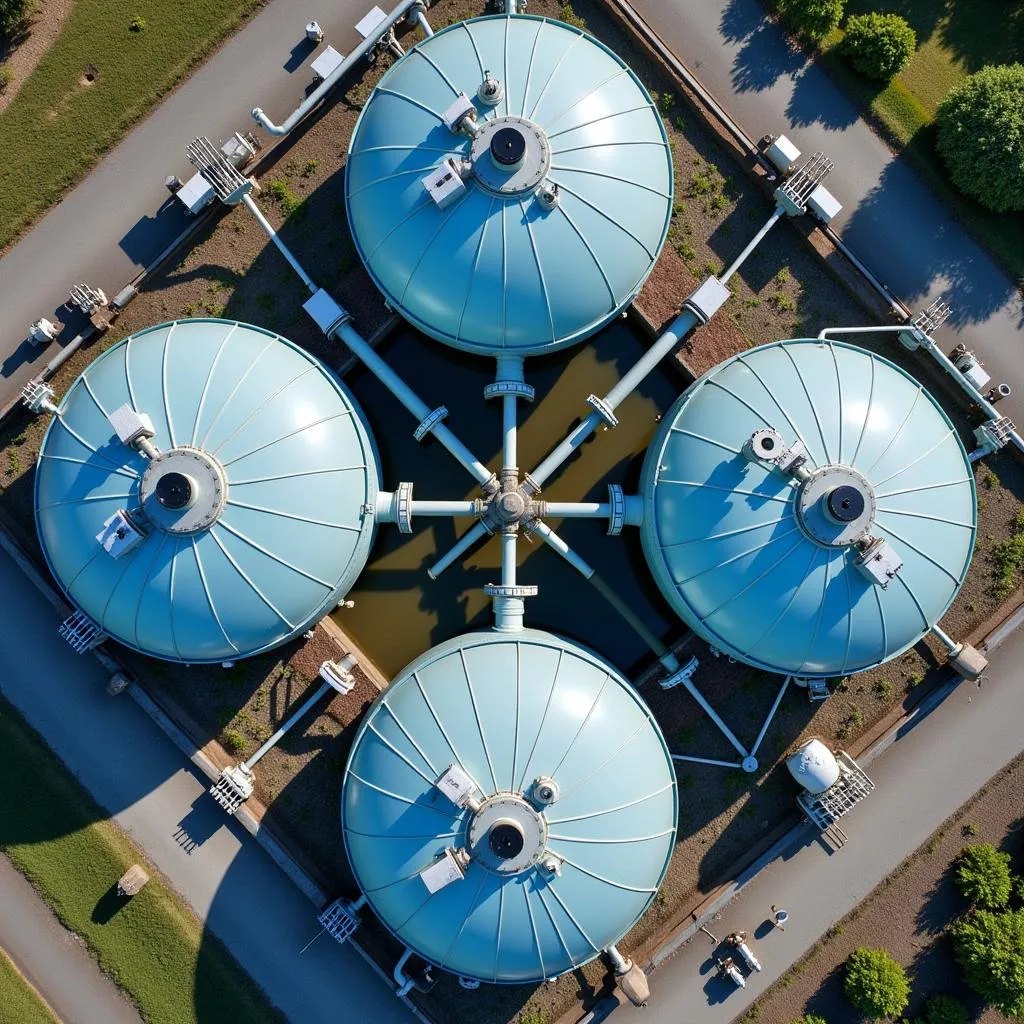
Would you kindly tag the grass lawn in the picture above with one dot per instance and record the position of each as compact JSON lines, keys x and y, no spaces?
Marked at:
{"x":19,"y":1003}
{"x":61,"y":122}
{"x":153,"y":946}
{"x":954,"y":39}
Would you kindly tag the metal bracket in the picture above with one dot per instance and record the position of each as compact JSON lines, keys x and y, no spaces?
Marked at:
{"x":510,"y":387}
{"x":522,"y":590}
{"x":603,"y":409}
{"x":429,"y":422}
{"x":403,"y":506}
{"x":617,"y":514}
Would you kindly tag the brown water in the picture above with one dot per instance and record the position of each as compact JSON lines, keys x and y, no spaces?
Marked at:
{"x":399,"y":611}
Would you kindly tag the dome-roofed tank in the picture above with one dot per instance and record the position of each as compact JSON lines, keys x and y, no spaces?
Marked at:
{"x":493,"y":266}
{"x":246,"y":525}
{"x":568,"y":816}
{"x":809,"y":508}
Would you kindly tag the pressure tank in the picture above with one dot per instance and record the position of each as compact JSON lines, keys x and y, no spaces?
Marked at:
{"x":509,"y":185}
{"x":509,"y":806}
{"x":247,"y":520}
{"x":809,"y":508}
{"x":814,"y":766}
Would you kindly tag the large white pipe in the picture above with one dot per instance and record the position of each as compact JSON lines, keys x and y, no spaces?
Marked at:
{"x":443,"y":508}
{"x":464,"y":543}
{"x":420,"y":19}
{"x":508,"y":559}
{"x":508,"y":416}
{"x":291,"y":720}
{"x":577,"y":509}
{"x":272,"y":234}
{"x":508,"y":611}
{"x":335,"y":76}
{"x":752,"y":245}
{"x":680,"y":327}
{"x":380,"y":369}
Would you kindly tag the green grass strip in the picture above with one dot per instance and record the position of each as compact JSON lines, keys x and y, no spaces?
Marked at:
{"x":19,"y":1003}
{"x":59,"y":125}
{"x":152,"y":945}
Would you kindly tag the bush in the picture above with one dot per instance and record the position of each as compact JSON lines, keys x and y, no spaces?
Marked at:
{"x":811,"y":1018}
{"x":990,"y":950}
{"x":816,"y":18}
{"x":981,"y":136}
{"x":878,"y":45}
{"x":234,"y":741}
{"x":983,"y":876}
{"x":875,"y":983}
{"x":12,"y":14}
{"x":5,"y":77}
{"x":943,"y":1009}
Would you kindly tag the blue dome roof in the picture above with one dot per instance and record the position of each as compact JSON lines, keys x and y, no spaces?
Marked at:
{"x":514,"y":712}
{"x":749,"y":558}
{"x":273,"y":463}
{"x":496,"y":272}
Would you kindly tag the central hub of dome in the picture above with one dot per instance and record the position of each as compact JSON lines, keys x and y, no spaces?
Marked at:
{"x":845,"y":503}
{"x":183,"y":490}
{"x":510,"y":156}
{"x":507,"y":834}
{"x":174,"y":490}
{"x":835,"y":506}
{"x":508,"y":147}
{"x":506,"y":840}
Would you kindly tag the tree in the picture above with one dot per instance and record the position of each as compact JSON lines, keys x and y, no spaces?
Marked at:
{"x":981,"y":136}
{"x":983,"y":876}
{"x":878,"y":45}
{"x":943,"y":1009}
{"x":814,"y":17}
{"x":990,"y":950}
{"x":12,"y":14}
{"x":875,"y":983}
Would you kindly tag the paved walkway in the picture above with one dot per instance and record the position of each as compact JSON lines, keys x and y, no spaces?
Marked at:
{"x":922,"y":778}
{"x":53,"y":959}
{"x":121,"y":216}
{"x":134,"y":771}
{"x":890,"y":218}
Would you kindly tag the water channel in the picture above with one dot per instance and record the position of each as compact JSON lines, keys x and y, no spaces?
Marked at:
{"x":398,"y":610}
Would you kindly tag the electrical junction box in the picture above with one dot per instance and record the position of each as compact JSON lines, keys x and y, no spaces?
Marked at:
{"x":445,"y":184}
{"x":327,"y":313}
{"x":456,"y":785}
{"x":196,"y":193}
{"x":119,"y":535}
{"x":823,"y":205}
{"x":130,"y":425}
{"x":445,"y":870}
{"x":879,"y":562}
{"x":708,"y":299}
{"x":973,"y":371}
{"x":782,"y":153}
{"x":455,"y":114}
{"x":327,"y":62}
{"x":370,"y":21}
